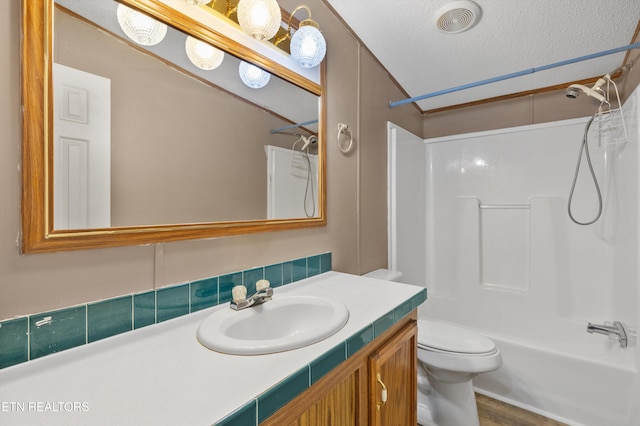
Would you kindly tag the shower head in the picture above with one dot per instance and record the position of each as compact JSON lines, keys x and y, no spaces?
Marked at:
{"x":575,"y":90}
{"x":308,"y":141}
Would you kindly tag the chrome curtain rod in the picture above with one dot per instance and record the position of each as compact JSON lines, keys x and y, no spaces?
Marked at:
{"x":515,"y":74}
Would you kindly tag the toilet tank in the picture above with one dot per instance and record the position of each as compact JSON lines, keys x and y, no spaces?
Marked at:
{"x":385,"y":274}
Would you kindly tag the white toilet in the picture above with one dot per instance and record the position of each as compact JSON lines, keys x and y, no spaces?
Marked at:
{"x":449,"y":357}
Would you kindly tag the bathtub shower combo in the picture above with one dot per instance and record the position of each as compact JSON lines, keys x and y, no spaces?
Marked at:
{"x":482,"y":221}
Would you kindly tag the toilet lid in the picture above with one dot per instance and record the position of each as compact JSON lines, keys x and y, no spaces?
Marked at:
{"x":450,"y":338}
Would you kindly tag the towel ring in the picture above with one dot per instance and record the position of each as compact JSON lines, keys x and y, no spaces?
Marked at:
{"x":345,"y":138}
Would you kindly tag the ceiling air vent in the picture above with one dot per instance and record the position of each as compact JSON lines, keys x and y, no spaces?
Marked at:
{"x":458,"y":16}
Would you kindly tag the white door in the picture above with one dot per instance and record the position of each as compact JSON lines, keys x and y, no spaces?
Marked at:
{"x":82,"y":149}
{"x":406,"y":202}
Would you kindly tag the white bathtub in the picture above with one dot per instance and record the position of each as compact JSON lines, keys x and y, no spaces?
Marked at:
{"x":481,"y":221}
{"x":588,"y":381}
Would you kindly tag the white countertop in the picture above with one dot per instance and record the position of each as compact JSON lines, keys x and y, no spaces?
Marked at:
{"x":162,"y":375}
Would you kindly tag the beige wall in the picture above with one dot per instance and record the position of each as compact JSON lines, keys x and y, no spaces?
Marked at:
{"x":358,"y":92}
{"x":356,"y":229}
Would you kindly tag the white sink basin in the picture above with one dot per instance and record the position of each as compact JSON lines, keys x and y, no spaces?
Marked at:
{"x":281,"y":324}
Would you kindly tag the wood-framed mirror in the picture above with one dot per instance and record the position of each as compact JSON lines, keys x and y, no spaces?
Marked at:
{"x":187,"y":156}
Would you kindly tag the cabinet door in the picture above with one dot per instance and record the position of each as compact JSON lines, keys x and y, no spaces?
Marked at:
{"x":336,"y":401}
{"x":339,"y":407}
{"x":393,"y":380}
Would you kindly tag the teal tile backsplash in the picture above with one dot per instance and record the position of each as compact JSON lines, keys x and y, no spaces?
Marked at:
{"x":273,"y":273}
{"x":14,"y":342}
{"x":286,"y":272}
{"x":250,"y":277}
{"x":204,"y":294}
{"x":144,"y":309}
{"x":226,"y":284}
{"x":109,"y":317}
{"x":56,"y":331}
{"x":299,"y":269}
{"x":172,"y":302}
{"x":26,"y":338}
{"x":41,"y":334}
{"x":313,"y":266}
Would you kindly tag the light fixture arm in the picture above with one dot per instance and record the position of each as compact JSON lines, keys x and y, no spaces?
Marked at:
{"x":230,"y":8}
{"x":304,"y":22}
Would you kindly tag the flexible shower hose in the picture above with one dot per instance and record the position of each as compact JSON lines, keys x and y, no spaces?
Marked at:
{"x":584,"y":146}
{"x":308,"y":186}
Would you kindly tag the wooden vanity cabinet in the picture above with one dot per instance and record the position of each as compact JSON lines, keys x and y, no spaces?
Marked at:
{"x":393,"y":380}
{"x":351,"y":394}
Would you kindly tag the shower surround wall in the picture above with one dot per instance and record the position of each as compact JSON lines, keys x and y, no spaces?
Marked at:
{"x":501,"y":256}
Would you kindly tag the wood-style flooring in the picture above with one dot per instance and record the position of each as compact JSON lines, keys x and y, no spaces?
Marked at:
{"x":497,"y":413}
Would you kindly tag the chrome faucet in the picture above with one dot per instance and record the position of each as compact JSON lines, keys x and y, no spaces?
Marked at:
{"x":615,"y":329}
{"x":240,"y":301}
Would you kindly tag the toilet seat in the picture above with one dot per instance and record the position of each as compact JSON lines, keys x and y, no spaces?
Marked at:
{"x":446,"y":338}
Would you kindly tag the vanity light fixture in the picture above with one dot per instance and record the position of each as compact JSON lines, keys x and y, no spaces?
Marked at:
{"x":203,"y":55}
{"x":253,"y":76}
{"x":259,"y":18}
{"x":308,"y":46}
{"x":139,"y":27}
{"x":197,"y":2}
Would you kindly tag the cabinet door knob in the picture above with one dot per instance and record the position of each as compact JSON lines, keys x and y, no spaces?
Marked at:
{"x":383,"y":395}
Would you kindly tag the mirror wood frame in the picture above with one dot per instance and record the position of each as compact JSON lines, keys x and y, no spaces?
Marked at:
{"x":38,"y":235}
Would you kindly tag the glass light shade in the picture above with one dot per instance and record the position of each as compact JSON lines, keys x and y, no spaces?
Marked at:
{"x":203,"y":55}
{"x":253,"y":76}
{"x":139,"y":27}
{"x":308,"y":46}
{"x":259,"y":18}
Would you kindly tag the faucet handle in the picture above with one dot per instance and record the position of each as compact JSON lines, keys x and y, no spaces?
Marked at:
{"x":262,"y":284}
{"x":239,"y":293}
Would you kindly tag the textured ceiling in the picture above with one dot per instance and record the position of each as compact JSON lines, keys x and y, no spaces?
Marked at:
{"x":511,"y":36}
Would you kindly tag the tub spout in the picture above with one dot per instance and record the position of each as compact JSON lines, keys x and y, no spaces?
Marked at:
{"x":615,"y":329}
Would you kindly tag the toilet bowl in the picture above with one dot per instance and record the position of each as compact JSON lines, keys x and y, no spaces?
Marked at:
{"x":449,"y":357}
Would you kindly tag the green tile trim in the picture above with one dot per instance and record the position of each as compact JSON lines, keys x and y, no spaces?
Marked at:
{"x":204,"y":293}
{"x":97,"y":320}
{"x":273,"y":273}
{"x":226,"y":284}
{"x":327,"y":361}
{"x":247,"y":415}
{"x":109,"y":317}
{"x":55,"y":331}
{"x":325,"y":262}
{"x":402,"y":310}
{"x":250,"y":277}
{"x":14,"y":342}
{"x":279,"y":395}
{"x":172,"y":302}
{"x":313,"y":266}
{"x":144,"y":309}
{"x":287,"y":275}
{"x":419,"y":299}
{"x":383,"y":323}
{"x":299,"y":269}
{"x":359,"y":339}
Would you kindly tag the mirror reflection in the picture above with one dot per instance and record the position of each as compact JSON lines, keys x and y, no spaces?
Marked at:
{"x":142,"y":136}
